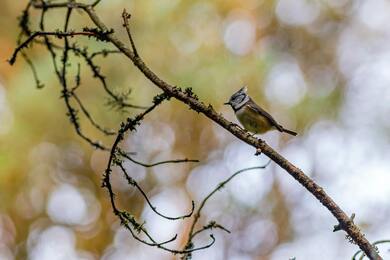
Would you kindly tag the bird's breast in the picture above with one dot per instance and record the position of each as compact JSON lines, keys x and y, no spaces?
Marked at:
{"x":253,"y":121}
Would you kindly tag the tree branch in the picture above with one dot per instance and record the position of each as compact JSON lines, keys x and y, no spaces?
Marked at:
{"x":317,"y":191}
{"x":187,"y":97}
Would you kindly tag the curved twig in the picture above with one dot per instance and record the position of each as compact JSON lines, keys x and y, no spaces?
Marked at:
{"x":363,"y":254}
{"x":132,"y":182}
{"x":125,"y":220}
{"x":213,"y":224}
{"x":38,"y":83}
{"x":210,"y":225}
{"x":96,"y":73}
{"x":104,"y":53}
{"x":148,"y":165}
{"x":66,"y":94}
{"x":58,"y":34}
{"x":89,"y":117}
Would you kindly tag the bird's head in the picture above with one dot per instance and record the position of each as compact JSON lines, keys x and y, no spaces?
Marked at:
{"x":239,"y":98}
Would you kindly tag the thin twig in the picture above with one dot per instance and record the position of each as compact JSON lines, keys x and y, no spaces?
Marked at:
{"x":89,"y":117}
{"x":192,"y":232}
{"x":132,"y":182}
{"x":363,"y":255}
{"x":40,"y":34}
{"x":119,"y":100}
{"x":38,"y":83}
{"x":104,"y":53}
{"x":127,"y":156}
{"x":126,"y":17}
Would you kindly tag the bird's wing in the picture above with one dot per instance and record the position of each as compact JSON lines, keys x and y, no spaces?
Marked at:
{"x":254,"y":106}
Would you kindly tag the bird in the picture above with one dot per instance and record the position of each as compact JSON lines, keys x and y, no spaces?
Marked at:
{"x":252,"y":117}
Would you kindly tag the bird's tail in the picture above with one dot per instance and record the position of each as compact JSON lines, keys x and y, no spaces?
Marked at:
{"x":288,"y":131}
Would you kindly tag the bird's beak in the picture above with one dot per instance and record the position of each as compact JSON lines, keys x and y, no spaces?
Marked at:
{"x":227,"y":103}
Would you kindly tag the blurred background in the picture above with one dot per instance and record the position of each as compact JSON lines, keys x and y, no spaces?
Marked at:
{"x":321,"y":68}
